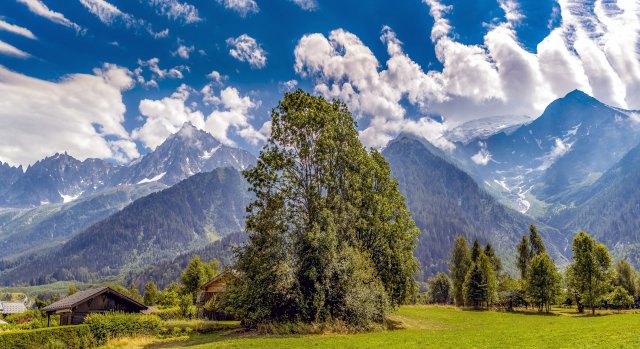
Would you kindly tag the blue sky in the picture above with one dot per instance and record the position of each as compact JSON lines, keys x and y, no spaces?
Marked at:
{"x":402,"y":66}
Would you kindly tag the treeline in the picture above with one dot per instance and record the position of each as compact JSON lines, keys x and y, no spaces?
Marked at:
{"x":476,"y":277}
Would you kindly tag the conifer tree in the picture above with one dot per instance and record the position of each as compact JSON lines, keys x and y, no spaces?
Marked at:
{"x":496,"y":263}
{"x":480,"y":283}
{"x":459,"y":264}
{"x":537,"y":245}
{"x":475,"y":251}
{"x":523,"y":256}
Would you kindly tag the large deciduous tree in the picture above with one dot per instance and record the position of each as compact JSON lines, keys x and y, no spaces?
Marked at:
{"x":329,"y":233}
{"x":543,"y":282}
{"x":440,"y":289}
{"x":459,"y":264}
{"x":590,"y":272}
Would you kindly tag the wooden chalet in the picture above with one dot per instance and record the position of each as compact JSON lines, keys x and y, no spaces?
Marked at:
{"x":74,"y":308}
{"x":215,"y":289}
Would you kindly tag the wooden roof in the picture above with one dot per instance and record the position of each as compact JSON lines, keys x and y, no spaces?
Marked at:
{"x":226,"y":273}
{"x":82,"y":296}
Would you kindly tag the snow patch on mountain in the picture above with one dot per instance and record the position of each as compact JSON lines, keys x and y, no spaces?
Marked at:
{"x":154,"y":179}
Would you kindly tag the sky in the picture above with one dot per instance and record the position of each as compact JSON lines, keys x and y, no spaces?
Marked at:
{"x":113,"y":78}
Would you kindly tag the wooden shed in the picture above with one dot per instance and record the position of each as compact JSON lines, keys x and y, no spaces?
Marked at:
{"x":214,"y":292}
{"x":74,"y":308}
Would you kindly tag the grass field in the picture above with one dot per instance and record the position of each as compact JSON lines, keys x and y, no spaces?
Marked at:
{"x":440,"y":327}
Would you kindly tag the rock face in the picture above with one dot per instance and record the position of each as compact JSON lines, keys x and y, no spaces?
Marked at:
{"x":62,"y":178}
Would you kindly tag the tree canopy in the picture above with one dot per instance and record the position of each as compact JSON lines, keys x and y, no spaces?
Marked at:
{"x":329,"y":233}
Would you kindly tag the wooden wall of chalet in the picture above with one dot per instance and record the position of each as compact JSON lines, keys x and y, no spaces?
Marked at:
{"x":99,"y":304}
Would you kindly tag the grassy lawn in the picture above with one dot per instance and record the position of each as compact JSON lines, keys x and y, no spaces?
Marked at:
{"x":439,"y":327}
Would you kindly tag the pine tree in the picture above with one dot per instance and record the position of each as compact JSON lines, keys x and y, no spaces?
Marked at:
{"x":475,"y":251}
{"x":523,"y":257}
{"x":480,"y":283}
{"x":496,"y":263}
{"x":537,"y":245}
{"x":459,"y":264}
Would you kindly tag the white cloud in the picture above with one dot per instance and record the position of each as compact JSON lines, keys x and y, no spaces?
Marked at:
{"x":559,"y":149}
{"x":233,"y":111}
{"x":183,"y":51}
{"x":594,"y":49}
{"x":16,"y":29}
{"x":157,"y":73}
{"x":40,"y":9}
{"x":217,"y":78}
{"x":242,"y":7}
{"x":82,"y":114}
{"x":246,"y":49}
{"x":289,"y":85}
{"x":483,"y":156}
{"x":11,"y":50}
{"x":158,"y":35}
{"x":166,"y":116}
{"x":108,"y":13}
{"x":176,"y":10}
{"x":307,"y":5}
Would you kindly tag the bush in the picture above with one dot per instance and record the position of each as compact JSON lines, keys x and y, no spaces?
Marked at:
{"x":68,"y":337}
{"x":112,"y":325}
{"x":169,"y":313}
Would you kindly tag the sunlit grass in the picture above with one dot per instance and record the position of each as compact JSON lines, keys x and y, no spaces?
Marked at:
{"x":448,"y":327}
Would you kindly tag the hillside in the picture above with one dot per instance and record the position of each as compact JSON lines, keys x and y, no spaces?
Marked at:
{"x":196,"y":211}
{"x":446,"y":202}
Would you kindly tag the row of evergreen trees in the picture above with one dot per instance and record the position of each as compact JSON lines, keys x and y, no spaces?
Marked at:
{"x":477,"y":278}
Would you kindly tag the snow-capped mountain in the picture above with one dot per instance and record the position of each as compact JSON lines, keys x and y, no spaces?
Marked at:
{"x":62,"y":178}
{"x":181,"y":155}
{"x":570,"y":145}
{"x":56,"y":179}
{"x":485,"y":128}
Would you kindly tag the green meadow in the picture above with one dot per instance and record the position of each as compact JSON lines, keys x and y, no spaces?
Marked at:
{"x":439,"y":327}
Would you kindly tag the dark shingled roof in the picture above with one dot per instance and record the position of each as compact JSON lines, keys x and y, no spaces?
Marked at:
{"x":82,"y":296}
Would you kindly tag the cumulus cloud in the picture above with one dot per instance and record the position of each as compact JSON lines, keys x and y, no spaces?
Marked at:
{"x":165,"y":116}
{"x":307,"y":5}
{"x":246,"y":49}
{"x":594,"y":48}
{"x":157,"y":73}
{"x":217,"y":78}
{"x":10,"y":50}
{"x":233,"y":111}
{"x":16,"y":29}
{"x":483,"y":156}
{"x":183,"y":51}
{"x":176,"y":10}
{"x":242,"y":7}
{"x":82,"y":114}
{"x":40,"y":9}
{"x":289,"y":85}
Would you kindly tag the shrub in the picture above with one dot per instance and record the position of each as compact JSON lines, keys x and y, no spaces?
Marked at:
{"x":67,"y":337}
{"x":112,"y":325}
{"x":169,"y":313}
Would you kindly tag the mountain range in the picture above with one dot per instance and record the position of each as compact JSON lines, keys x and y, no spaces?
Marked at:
{"x":574,"y":167}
